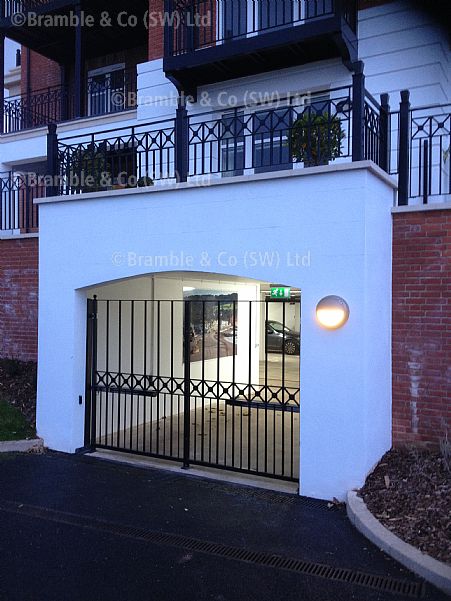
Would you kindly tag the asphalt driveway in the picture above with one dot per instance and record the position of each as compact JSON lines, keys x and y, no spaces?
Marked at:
{"x":78,"y":528}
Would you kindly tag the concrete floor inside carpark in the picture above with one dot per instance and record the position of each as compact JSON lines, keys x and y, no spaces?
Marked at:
{"x":276,"y":368}
{"x":261,"y":439}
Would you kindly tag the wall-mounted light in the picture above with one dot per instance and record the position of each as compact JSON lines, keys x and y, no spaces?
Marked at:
{"x":332,"y":312}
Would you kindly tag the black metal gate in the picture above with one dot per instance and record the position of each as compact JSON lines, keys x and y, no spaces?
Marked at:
{"x":204,"y":381}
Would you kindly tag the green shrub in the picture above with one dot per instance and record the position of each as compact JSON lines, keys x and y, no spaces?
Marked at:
{"x":316,"y":139}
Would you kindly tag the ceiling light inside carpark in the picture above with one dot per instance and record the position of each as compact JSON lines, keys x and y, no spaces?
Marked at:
{"x":188,"y":288}
{"x":332,"y":312}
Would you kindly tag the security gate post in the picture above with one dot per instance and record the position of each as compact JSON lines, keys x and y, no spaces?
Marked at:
{"x":91,"y":368}
{"x":187,"y":383}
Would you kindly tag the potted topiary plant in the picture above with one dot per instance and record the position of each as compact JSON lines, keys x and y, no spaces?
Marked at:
{"x":316,"y":138}
{"x":92,"y":168}
{"x":145,"y":181}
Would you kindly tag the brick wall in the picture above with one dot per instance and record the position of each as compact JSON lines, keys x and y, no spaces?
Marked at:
{"x":156,"y":30}
{"x":421,"y":325}
{"x":44,"y":72}
{"x":19,"y":298}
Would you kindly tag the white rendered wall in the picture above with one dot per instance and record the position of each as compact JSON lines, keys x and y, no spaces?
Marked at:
{"x":341,"y":217}
{"x":404,"y":48}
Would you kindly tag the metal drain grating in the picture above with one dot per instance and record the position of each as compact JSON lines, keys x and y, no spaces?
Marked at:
{"x":237,"y":490}
{"x":406,"y":588}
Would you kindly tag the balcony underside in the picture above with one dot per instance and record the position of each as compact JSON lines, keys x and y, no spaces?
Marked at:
{"x":267,"y":51}
{"x":57,"y":43}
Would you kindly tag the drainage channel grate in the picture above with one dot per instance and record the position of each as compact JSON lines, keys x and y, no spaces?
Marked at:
{"x":406,"y":588}
{"x":243,"y":491}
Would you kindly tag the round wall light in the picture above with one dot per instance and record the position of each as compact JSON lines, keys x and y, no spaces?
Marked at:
{"x":332,"y":312}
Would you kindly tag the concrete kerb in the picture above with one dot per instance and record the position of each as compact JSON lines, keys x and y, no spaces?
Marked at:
{"x":36,"y":445}
{"x":432,"y":570}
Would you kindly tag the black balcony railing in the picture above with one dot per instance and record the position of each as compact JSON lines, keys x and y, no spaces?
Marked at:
{"x":104,"y":94}
{"x":36,"y":109}
{"x":12,"y":7}
{"x":420,"y":156}
{"x":430,"y":148}
{"x":297,"y":132}
{"x":336,"y":125}
{"x":196,"y":24}
{"x":17,"y":193}
{"x":120,"y":158}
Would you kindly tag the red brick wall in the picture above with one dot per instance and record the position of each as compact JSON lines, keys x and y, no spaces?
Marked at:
{"x":421,"y":326}
{"x":19,"y":298}
{"x":44,"y":72}
{"x":156,"y":31}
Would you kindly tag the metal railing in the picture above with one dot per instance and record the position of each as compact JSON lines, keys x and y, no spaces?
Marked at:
{"x":226,"y":404}
{"x":293,"y":133}
{"x":376,"y":130}
{"x":17,"y":193}
{"x":37,"y":109}
{"x":422,"y":162}
{"x":340,"y":124}
{"x":12,"y":7}
{"x":430,"y":148}
{"x":120,"y":158}
{"x":103,"y":95}
{"x":200,"y":24}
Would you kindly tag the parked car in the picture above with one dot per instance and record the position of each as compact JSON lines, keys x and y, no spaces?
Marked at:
{"x":280,"y":338}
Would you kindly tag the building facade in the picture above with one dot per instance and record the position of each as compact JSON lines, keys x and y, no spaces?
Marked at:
{"x":177,"y":165}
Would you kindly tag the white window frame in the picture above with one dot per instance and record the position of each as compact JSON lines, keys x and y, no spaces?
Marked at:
{"x":107,"y":94}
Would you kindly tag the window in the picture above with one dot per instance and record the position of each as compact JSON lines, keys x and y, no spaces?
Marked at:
{"x":106,"y":90}
{"x":271,"y":135}
{"x":233,"y":144}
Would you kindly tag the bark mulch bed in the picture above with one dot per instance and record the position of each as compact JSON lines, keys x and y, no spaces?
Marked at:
{"x":18,"y":386}
{"x":409,"y":492}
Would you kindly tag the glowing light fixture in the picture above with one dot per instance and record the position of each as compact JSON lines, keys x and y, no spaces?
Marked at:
{"x":332,"y":312}
{"x":188,"y":289}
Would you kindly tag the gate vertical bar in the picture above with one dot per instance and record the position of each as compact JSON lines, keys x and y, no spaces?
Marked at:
{"x":94,"y":373}
{"x":187,"y":382}
{"x":88,"y":373}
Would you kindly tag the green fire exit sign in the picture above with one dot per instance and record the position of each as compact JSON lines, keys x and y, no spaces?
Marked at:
{"x":281,"y":292}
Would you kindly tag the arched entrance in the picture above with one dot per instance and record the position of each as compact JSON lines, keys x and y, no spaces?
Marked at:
{"x":198,"y":368}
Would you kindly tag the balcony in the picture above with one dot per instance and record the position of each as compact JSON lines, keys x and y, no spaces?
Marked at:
{"x":412,"y":144}
{"x":24,"y":22}
{"x":18,"y":214}
{"x":333,"y":126}
{"x":207,"y":41}
{"x":106,"y":93}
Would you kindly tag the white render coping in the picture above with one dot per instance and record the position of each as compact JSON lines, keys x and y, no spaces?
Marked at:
{"x":432,"y":570}
{"x":285,"y":174}
{"x":72,"y":125}
{"x":438,"y":206}
{"x":18,"y":236}
{"x":22,"y":446}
